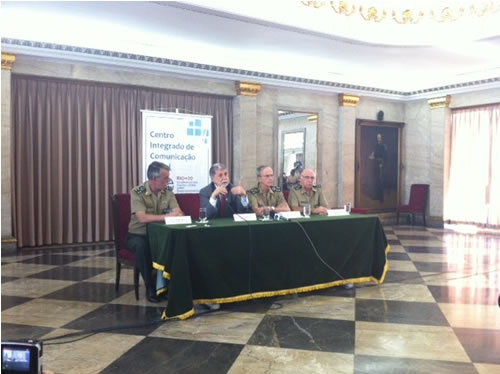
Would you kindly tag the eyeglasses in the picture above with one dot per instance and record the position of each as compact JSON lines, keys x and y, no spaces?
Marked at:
{"x":307,"y":177}
{"x":267,"y":176}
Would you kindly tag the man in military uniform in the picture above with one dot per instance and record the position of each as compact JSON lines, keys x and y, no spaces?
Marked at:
{"x":308,"y":193}
{"x":265,"y":194}
{"x":151,"y":201}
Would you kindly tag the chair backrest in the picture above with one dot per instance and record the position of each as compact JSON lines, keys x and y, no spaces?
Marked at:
{"x":121,"y":218}
{"x":189,"y":204}
{"x":285,"y":194}
{"x":418,"y":196}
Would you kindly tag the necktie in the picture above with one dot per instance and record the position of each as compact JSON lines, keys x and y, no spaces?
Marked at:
{"x":222,"y":206}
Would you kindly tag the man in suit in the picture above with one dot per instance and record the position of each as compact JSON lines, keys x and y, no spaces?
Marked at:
{"x":220,"y":198}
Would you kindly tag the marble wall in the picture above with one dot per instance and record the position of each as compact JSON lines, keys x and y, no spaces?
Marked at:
{"x":256,"y":137}
{"x":6,"y":157}
{"x":272,"y":99}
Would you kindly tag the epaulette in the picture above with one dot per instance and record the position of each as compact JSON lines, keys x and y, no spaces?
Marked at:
{"x":317,"y":186}
{"x":253,"y":191}
{"x":276,"y":188}
{"x":297,"y":187}
{"x":139,"y":190}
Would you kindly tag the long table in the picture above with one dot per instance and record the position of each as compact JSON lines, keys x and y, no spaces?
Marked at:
{"x":234,"y":261}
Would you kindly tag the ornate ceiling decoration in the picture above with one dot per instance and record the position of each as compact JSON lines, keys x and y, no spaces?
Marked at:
{"x":440,"y":12}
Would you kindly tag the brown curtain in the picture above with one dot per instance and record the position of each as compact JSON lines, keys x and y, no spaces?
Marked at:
{"x":76,"y":143}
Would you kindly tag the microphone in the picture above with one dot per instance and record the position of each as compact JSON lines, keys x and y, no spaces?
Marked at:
{"x":280,"y":217}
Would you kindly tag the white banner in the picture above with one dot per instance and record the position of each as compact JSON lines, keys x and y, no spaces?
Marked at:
{"x":184,"y":142}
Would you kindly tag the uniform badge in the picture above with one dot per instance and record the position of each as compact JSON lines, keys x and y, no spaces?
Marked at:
{"x":139,"y":190}
{"x":254,"y":191}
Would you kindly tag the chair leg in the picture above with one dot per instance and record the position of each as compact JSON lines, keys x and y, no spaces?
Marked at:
{"x":118,"y":270}
{"x":136,"y":282}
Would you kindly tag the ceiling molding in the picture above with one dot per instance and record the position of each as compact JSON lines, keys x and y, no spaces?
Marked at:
{"x":99,"y":56}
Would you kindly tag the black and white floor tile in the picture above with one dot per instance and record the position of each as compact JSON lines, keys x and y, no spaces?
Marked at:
{"x":437,"y":312}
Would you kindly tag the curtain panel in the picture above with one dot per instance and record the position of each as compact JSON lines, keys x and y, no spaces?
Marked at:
{"x":473,"y":194}
{"x":76,"y":143}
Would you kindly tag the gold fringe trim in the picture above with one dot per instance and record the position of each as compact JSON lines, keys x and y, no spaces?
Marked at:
{"x":166,"y":274}
{"x":258,"y":295}
{"x":180,"y":316}
{"x":159,"y":291}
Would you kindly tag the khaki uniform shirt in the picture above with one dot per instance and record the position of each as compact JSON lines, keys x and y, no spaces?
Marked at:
{"x":299,"y":197}
{"x":257,"y":198}
{"x":143,"y":200}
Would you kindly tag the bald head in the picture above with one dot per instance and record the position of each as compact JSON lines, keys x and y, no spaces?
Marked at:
{"x":307,"y":179}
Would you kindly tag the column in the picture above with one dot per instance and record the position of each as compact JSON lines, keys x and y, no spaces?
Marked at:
{"x":7,"y":63}
{"x":347,"y":148}
{"x":244,"y":133}
{"x":440,"y":119}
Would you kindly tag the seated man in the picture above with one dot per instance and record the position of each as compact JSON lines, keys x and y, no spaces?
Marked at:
{"x":265,"y":194}
{"x":151,"y":201}
{"x":306,"y":192}
{"x":220,"y":198}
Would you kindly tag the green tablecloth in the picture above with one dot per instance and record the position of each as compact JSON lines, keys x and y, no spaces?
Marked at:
{"x":234,"y":261}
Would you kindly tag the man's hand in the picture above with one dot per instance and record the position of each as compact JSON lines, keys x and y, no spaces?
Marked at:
{"x":320,"y":210}
{"x":218,"y":191}
{"x":238,"y":191}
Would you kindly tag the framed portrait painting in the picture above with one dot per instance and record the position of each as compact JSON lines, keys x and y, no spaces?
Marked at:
{"x":378,"y":153}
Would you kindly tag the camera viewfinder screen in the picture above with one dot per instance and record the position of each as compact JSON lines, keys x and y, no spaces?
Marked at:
{"x":16,"y":359}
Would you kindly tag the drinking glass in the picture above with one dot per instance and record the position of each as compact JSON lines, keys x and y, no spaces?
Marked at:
{"x":306,"y":209}
{"x":266,"y":211}
{"x":347,"y":207}
{"x":203,"y":215}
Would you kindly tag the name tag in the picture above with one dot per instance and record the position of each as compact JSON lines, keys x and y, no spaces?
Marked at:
{"x":243,"y":217}
{"x":292,"y":214}
{"x":337,"y":212}
{"x":177,"y":220}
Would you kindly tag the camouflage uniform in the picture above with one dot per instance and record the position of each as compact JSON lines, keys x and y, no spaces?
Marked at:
{"x":258,"y":199}
{"x":299,"y":197}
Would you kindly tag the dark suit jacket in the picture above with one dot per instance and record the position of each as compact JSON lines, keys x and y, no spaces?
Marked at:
{"x":233,"y":203}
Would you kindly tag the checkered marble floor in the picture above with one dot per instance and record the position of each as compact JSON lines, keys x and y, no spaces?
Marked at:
{"x":437,"y":312}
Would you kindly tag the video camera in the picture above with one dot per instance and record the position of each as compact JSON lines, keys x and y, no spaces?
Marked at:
{"x":22,"y":357}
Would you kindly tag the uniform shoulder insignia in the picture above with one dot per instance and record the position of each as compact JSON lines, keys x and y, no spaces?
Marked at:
{"x":297,"y":187}
{"x":140,"y":190}
{"x":254,"y":191}
{"x":317,"y":186}
{"x":276,"y":188}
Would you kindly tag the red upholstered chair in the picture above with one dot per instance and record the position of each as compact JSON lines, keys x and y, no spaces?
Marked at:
{"x":285,"y":194}
{"x":189,"y":204}
{"x":419,"y":194}
{"x":124,"y":256}
{"x":359,"y":210}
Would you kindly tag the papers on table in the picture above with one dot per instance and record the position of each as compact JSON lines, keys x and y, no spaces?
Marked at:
{"x":244,"y":217}
{"x":337,"y":212}
{"x":178,"y":220}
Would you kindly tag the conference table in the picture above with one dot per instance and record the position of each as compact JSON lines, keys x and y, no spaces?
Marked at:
{"x":229,"y":261}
